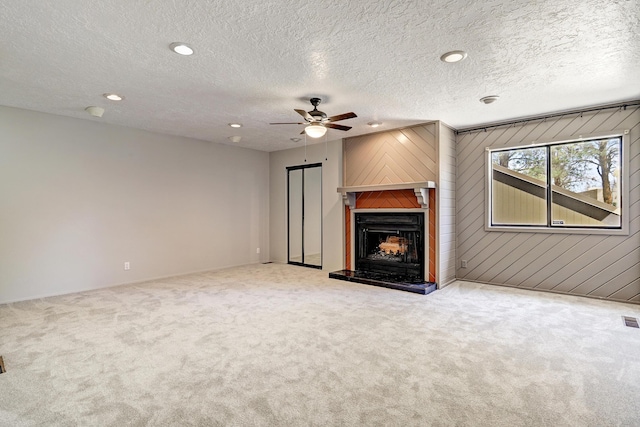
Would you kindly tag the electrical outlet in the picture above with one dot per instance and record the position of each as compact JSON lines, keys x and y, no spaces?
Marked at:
{"x":464,"y":263}
{"x":257,"y":250}
{"x":127,"y":265}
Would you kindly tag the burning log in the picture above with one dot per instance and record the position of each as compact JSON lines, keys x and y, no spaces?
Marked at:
{"x":394,"y":245}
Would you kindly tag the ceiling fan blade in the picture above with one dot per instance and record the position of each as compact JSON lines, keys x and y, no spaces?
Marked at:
{"x":334,"y":126}
{"x":287,"y":123}
{"x":304,"y":114}
{"x":344,"y":116}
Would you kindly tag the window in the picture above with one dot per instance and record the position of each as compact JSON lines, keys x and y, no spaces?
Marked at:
{"x":558,"y":186}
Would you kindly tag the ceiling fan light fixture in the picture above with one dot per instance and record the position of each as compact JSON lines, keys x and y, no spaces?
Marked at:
{"x":453,"y":56}
{"x":95,"y":111}
{"x":181,"y":48}
{"x":315,"y":130}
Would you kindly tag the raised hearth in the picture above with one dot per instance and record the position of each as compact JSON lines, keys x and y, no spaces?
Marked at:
{"x":385,"y":280}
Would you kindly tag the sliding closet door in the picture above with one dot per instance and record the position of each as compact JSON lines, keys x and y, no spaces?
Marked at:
{"x":304,"y":213}
{"x":295,"y":215}
{"x":312,"y":218}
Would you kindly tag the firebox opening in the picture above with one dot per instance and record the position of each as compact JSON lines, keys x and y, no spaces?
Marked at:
{"x":390,"y":244}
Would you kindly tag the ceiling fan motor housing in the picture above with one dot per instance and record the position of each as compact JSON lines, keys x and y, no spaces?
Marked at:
{"x":316,"y":118}
{"x":317,"y":115}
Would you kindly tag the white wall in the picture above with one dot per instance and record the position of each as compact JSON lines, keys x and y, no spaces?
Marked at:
{"x":446,"y":206}
{"x":332,"y":207}
{"x":78,"y":198}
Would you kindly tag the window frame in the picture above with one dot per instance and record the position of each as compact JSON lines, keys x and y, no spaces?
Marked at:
{"x":623,"y":188}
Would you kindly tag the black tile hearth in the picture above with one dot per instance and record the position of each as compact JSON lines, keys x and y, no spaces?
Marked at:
{"x":384,"y":280}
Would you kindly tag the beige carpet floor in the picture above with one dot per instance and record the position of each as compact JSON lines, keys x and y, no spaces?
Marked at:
{"x":279,"y":345}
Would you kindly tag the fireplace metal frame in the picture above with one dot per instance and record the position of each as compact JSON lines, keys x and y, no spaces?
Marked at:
{"x":393,"y":211}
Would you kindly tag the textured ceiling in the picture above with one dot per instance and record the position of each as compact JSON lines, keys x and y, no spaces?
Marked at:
{"x":255,"y":62}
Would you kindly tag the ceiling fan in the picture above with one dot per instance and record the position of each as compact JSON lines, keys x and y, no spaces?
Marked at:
{"x":317,"y":122}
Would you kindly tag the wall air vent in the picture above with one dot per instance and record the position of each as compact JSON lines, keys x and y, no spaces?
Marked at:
{"x":631,"y":322}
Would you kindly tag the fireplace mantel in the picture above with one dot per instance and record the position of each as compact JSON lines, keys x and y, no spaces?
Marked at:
{"x":420,"y":189}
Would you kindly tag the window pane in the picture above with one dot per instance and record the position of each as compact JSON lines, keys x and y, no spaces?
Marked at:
{"x":519,"y":187}
{"x":585,"y":179}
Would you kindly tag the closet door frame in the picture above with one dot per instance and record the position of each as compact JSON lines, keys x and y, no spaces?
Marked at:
{"x":302,"y":168}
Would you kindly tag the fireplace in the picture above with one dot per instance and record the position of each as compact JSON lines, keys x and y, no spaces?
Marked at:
{"x":389,"y":250}
{"x":390,"y":236}
{"x":390,"y":245}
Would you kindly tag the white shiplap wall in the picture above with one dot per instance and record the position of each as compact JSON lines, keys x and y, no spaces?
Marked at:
{"x":446,"y":242}
{"x":581,"y":264}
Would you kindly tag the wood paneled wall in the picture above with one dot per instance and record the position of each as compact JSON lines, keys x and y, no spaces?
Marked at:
{"x":582,"y":264}
{"x":396,"y":156}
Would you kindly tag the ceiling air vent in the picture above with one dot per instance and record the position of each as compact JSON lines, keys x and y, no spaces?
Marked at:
{"x":631,"y":322}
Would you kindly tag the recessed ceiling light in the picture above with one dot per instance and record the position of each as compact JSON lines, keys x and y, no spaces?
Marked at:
{"x":454,"y":56}
{"x":181,"y":48}
{"x":489,"y":99}
{"x":113,"y":96}
{"x":296,"y":139}
{"x":235,"y":138}
{"x":235,"y":125}
{"x":374,"y":124}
